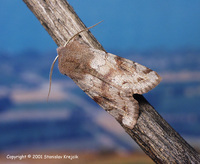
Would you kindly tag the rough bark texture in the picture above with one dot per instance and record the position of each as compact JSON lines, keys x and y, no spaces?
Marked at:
{"x":153,"y":134}
{"x":60,"y":21}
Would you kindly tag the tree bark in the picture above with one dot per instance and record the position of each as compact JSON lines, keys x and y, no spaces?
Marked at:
{"x":152,"y":133}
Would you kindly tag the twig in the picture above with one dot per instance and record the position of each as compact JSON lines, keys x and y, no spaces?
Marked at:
{"x":152,"y":133}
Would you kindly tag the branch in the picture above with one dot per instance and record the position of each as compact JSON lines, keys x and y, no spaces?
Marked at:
{"x":152,"y":133}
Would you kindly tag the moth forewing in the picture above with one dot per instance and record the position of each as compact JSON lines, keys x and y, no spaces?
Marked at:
{"x":124,"y":73}
{"x":108,"y":79}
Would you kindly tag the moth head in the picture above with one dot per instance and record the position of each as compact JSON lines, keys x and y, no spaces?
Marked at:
{"x":56,"y":58}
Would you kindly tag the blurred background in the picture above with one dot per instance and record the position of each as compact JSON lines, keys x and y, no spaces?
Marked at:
{"x":162,"y":35}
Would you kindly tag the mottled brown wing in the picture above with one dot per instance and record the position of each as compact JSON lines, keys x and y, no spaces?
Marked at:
{"x":108,"y":79}
{"x":123,"y":73}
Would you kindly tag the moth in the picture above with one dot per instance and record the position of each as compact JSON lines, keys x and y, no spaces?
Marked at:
{"x":110,"y":80}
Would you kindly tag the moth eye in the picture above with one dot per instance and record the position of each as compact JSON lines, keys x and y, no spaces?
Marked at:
{"x":79,"y":36}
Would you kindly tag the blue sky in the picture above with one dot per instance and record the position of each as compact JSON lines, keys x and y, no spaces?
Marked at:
{"x":138,"y":25}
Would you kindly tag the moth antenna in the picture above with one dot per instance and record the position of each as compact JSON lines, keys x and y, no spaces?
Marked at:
{"x":50,"y":76}
{"x":81,"y":32}
{"x":51,"y":70}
